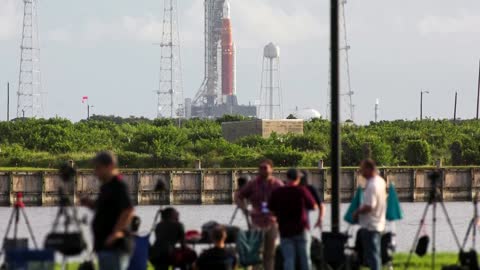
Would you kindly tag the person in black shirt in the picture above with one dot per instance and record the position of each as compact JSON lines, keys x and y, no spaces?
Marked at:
{"x":113,"y":214}
{"x":218,"y":257}
{"x":168,"y":232}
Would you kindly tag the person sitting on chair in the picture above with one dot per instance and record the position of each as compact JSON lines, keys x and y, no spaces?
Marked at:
{"x":218,"y":257}
{"x":168,"y":232}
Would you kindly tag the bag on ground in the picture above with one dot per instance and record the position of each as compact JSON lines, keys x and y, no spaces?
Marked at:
{"x":249,"y":247}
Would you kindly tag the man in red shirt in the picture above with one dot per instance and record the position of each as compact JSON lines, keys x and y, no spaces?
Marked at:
{"x":258,"y":193}
{"x":290,"y":204}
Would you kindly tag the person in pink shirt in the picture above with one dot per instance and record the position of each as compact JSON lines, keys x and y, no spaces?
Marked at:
{"x":257,"y":193}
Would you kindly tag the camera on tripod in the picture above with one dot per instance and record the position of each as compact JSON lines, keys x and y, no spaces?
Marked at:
{"x":68,"y":242}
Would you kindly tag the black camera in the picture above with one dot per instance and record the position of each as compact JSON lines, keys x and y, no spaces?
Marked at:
{"x":67,"y":172}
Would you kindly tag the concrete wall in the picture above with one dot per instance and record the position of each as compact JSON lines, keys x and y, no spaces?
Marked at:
{"x":218,"y":186}
{"x":232,"y":131}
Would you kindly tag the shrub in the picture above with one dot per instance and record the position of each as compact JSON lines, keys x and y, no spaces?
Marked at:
{"x":418,"y":152}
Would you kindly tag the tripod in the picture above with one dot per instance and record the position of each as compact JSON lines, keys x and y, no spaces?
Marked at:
{"x":18,"y":209}
{"x":472,"y":227}
{"x":69,"y":218}
{"x":434,"y":198}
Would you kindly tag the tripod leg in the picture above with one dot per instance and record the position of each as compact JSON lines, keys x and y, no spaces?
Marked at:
{"x":234,"y":215}
{"x":467,"y":234}
{"x":450,"y":224}
{"x":29,"y":227}
{"x":10,"y":221}
{"x":17,"y":219}
{"x":417,"y":235}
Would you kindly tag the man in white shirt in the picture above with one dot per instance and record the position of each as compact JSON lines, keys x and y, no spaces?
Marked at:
{"x":372,"y":214}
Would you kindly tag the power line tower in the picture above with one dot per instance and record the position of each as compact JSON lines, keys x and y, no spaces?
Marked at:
{"x":170,"y":91}
{"x":29,"y":95}
{"x":348,"y":93}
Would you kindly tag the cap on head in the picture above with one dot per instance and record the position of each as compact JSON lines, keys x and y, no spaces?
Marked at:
{"x":293,"y":174}
{"x":105,"y":158}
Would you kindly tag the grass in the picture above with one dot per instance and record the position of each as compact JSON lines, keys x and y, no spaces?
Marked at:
{"x":424,"y":263}
{"x":399,"y":261}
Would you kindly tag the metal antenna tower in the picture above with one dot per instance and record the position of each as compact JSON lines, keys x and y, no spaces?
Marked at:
{"x":170,"y":91}
{"x":29,"y":94}
{"x":345,"y":48}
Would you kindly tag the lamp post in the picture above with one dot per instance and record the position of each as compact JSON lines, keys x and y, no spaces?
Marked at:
{"x":421,"y":103}
{"x":335,"y":113}
{"x":88,"y":110}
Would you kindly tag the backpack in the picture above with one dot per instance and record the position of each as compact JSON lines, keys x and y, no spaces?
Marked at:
{"x":249,"y":247}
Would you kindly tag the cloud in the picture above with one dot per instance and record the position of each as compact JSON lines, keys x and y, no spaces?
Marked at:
{"x":10,"y":19}
{"x":256,"y":22}
{"x":59,"y":34}
{"x":253,"y":27}
{"x":449,"y":24}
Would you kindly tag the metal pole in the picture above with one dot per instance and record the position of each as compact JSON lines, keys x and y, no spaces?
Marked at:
{"x":478,"y":89}
{"x":172,"y":91}
{"x":421,"y":105}
{"x":8,"y":101}
{"x":88,"y":111}
{"x":335,"y":113}
{"x":455,"y":109}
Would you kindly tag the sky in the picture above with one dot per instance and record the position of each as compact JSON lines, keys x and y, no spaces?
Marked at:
{"x":103,"y":50}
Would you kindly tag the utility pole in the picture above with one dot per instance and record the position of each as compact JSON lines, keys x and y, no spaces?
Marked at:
{"x":455,"y":109}
{"x":478,"y":89}
{"x":88,"y":110}
{"x":421,"y":103}
{"x":335,"y":113}
{"x":377,"y":106}
{"x":8,"y":101}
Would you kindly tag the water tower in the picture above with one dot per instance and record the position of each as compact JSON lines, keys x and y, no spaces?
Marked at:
{"x":270,"y":90}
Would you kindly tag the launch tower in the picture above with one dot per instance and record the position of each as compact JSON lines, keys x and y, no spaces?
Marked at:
{"x":217,"y":93}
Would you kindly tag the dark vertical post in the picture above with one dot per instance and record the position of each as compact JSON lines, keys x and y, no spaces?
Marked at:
{"x":335,"y":113}
{"x":88,"y":111}
{"x":478,"y":89}
{"x":421,"y":105}
{"x":455,"y":109}
{"x":8,"y":101}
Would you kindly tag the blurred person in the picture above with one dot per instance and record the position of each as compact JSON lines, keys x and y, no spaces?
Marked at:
{"x":218,"y":257}
{"x":290,"y":204}
{"x":258,"y":193}
{"x":372,"y":214}
{"x":113,"y":214}
{"x":316,"y":196}
{"x":139,"y":259}
{"x":168,"y":233}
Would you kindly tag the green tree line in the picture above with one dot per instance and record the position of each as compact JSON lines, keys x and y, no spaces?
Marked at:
{"x":165,"y":143}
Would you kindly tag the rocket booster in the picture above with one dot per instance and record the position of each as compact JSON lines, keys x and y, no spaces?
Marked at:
{"x":228,"y":53}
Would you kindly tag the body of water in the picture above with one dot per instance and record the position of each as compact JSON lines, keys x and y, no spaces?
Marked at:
{"x":193,"y":216}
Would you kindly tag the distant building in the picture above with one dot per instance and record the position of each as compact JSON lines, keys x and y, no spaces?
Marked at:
{"x":307,"y":114}
{"x":233,"y":131}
